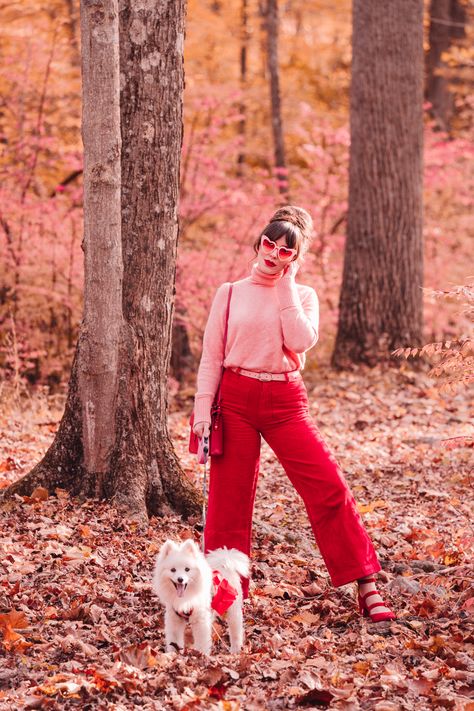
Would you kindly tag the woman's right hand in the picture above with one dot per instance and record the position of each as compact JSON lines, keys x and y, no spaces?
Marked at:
{"x":201,"y":429}
{"x":291,"y":270}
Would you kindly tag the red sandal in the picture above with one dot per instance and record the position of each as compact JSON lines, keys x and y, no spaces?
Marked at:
{"x":365,"y":609}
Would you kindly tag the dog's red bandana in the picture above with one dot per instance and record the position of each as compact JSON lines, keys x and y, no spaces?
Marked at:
{"x":224,"y":594}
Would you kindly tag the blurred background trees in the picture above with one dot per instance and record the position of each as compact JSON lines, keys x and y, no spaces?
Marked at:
{"x":446,"y":62}
{"x":228,"y":177}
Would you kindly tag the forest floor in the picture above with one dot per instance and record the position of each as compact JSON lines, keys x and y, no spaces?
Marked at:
{"x":81,"y":628}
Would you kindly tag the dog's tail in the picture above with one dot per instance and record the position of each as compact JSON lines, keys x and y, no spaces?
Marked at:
{"x":229,"y":559}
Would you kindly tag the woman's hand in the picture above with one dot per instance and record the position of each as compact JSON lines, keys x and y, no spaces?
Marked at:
{"x":201,"y":429}
{"x":290,"y":270}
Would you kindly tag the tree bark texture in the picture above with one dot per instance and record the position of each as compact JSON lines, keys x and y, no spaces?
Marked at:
{"x":98,"y":358}
{"x":275,"y":100}
{"x":380,"y":305}
{"x":113,"y":439}
{"x":152,"y":74}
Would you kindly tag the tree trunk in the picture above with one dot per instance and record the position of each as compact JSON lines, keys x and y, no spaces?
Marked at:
{"x":98,"y":357}
{"x":380,"y":305}
{"x":151,"y":62}
{"x":113,"y":439}
{"x":277,"y":124}
{"x":447,"y":18}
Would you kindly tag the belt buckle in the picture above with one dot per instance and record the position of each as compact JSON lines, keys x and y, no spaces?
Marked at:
{"x":265,"y":377}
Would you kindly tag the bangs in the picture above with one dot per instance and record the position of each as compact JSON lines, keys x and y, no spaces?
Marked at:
{"x":281,"y":228}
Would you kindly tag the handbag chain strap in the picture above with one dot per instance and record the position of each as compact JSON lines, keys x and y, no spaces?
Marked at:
{"x":217,"y":399}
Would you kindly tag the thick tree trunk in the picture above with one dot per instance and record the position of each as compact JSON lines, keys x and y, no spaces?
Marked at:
{"x":381,"y":297}
{"x":151,"y":59}
{"x":113,"y":439}
{"x":275,"y":101}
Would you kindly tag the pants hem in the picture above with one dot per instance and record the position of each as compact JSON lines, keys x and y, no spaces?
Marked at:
{"x":355,"y":574}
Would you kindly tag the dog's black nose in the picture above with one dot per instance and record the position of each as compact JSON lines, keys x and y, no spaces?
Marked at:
{"x":180,"y":580}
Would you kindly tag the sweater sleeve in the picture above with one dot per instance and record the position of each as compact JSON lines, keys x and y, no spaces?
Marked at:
{"x":212,"y":357}
{"x":299,"y":319}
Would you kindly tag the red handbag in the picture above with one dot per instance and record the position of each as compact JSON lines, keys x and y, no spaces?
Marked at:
{"x":216,"y":435}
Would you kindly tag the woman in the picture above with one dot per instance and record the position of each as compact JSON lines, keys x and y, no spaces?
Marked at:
{"x":272,"y":323}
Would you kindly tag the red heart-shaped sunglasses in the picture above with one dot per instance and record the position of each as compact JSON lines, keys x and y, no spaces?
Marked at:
{"x":285,"y":254}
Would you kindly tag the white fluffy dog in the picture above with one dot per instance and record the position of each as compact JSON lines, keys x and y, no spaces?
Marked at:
{"x":183,"y":580}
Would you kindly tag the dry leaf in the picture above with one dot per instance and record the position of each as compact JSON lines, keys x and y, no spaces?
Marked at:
{"x":39,"y":494}
{"x":306,"y":617}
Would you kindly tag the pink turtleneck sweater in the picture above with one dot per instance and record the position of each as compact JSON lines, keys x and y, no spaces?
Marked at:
{"x":272,"y":323}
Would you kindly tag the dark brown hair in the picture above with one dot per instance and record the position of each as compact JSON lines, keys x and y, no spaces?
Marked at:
{"x":294,"y":223}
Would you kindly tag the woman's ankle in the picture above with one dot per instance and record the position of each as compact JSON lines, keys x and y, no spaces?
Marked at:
{"x":367,"y":580}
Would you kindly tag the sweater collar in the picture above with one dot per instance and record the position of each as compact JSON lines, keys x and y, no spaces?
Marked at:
{"x":259,"y":277}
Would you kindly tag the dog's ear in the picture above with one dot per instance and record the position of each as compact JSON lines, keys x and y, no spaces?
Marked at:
{"x":167,"y":548}
{"x":190,"y":547}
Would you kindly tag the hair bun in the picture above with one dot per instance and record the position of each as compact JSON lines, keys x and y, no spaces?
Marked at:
{"x":297,"y":216}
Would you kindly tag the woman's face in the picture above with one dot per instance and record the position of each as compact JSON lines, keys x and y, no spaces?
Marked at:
{"x":270,"y":263}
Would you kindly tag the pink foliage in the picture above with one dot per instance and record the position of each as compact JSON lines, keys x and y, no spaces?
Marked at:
{"x":224,"y":206}
{"x":40,"y":233}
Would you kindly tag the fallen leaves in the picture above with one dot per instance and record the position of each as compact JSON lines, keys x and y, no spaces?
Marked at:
{"x":306,"y":617}
{"x":39,"y":494}
{"x":10,"y":623}
{"x":141,"y":656}
{"x":315,"y":697}
{"x":368,"y":508}
{"x":9,"y":464}
{"x":80,"y":626}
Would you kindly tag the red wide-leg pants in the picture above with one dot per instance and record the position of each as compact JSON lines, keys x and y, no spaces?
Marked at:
{"x":278,"y":411}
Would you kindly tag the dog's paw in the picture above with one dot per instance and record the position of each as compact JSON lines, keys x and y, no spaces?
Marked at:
{"x":206,"y":651}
